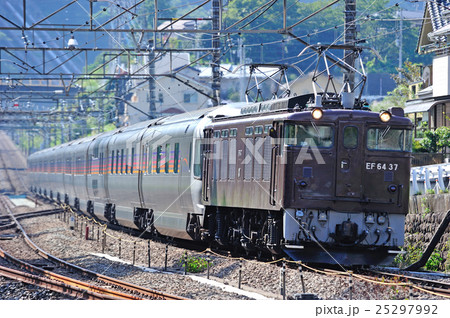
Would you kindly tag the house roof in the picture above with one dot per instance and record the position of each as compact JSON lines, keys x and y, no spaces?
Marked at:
{"x":421,"y":107}
{"x":433,"y":20}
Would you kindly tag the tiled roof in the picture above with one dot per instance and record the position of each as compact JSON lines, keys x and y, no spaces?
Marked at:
{"x":435,"y":9}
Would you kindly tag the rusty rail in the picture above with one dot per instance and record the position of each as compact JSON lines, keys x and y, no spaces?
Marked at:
{"x":153,"y":294}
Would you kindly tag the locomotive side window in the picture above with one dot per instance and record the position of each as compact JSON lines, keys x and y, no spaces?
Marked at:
{"x":217,"y":134}
{"x":225,"y":133}
{"x":350,"y":137}
{"x":267,"y":128}
{"x":258,"y":130}
{"x":309,"y":135}
{"x":233,"y":132}
{"x":389,"y":139}
{"x":248,"y":131}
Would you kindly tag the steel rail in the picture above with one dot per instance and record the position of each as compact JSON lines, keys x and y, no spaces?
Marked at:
{"x":103,"y":293}
{"x":154,"y":294}
{"x":50,"y":284}
{"x":432,"y":285}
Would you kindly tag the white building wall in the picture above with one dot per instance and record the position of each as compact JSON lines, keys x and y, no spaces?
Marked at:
{"x":441,"y":71}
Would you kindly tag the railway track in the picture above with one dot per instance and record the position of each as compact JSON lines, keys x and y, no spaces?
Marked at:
{"x":132,"y":291}
{"x":434,"y":287}
{"x":439,"y":287}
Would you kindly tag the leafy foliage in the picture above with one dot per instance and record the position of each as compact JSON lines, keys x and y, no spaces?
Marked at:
{"x":195,"y":264}
{"x":436,"y":140}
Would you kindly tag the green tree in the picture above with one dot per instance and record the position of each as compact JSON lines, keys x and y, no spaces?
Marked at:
{"x":436,"y":140}
{"x":410,"y":73}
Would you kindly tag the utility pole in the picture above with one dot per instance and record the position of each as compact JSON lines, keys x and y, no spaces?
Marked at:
{"x":151,"y":79}
{"x":242,"y":71}
{"x":350,"y":39}
{"x":217,"y":25}
{"x":400,"y":43}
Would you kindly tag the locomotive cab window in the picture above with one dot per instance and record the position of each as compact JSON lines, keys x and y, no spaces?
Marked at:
{"x":389,"y":139}
{"x":225,"y":133}
{"x":350,"y":137}
{"x":309,"y":135}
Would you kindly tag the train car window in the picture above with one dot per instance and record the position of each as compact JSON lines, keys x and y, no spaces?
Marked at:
{"x":132,"y":161}
{"x":267,"y":128}
{"x":217,"y":134}
{"x":117,"y":161}
{"x":176,"y":156}
{"x":150,"y":158}
{"x":350,"y":137}
{"x":224,"y":161}
{"x":100,"y":168}
{"x":248,"y":131}
{"x":158,"y":159}
{"x":258,"y":130}
{"x":121,"y":160}
{"x":190,"y":156}
{"x":390,"y":139}
{"x":167,"y":159}
{"x":68,"y":166}
{"x":126,"y":161}
{"x":314,"y":136}
{"x":198,"y":159}
{"x":144,"y":160}
{"x":112,"y":162}
{"x":225,"y":133}
{"x":78,"y":165}
{"x":233,"y":132}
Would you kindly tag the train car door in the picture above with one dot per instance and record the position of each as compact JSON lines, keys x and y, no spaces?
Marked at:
{"x":349,"y":160}
{"x":143,"y":164}
{"x":207,"y":166}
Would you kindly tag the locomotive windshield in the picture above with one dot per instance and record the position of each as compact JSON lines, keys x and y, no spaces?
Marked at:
{"x":389,"y":139}
{"x":311,"y":135}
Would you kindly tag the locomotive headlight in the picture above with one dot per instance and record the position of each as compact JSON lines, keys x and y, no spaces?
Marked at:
{"x":317,"y":113}
{"x":385,"y":116}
